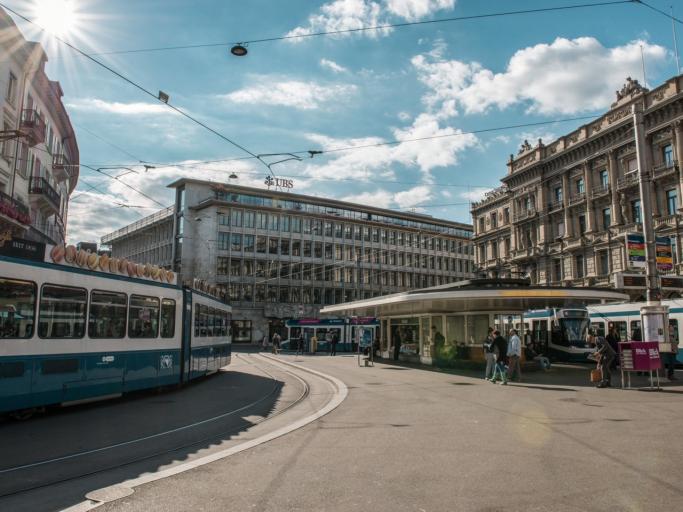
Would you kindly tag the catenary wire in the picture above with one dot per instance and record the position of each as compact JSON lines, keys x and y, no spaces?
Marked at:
{"x":370,"y":28}
{"x":671,"y":17}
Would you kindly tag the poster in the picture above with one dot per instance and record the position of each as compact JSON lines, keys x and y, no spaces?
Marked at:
{"x":635,"y":250}
{"x":665,"y":257}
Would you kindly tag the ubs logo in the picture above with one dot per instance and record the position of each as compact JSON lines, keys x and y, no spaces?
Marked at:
{"x":166,"y":361}
{"x":278,"y":182}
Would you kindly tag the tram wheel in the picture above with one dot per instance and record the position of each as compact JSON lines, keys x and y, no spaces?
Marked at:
{"x":23,"y":414}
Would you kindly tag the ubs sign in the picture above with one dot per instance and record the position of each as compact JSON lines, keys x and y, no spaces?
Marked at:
{"x":278,"y":182}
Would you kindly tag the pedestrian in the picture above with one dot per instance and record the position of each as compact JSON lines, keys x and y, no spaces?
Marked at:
{"x":605,"y":355}
{"x":300,"y":346}
{"x":333,"y":346}
{"x":613,"y":338}
{"x":530,"y":354}
{"x":514,"y":356}
{"x":276,"y":343}
{"x":314,"y":343}
{"x":500,"y":348}
{"x":397,"y":344}
{"x":669,"y":356}
{"x":264,"y":342}
{"x":489,"y":354}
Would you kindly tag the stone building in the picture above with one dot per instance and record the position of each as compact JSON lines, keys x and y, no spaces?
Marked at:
{"x":279,"y":255}
{"x":38,"y":150}
{"x":564,"y":209}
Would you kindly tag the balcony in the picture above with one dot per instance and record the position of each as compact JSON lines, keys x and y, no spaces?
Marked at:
{"x":13,"y":213}
{"x":44,"y":196}
{"x":555,"y":205}
{"x":664,"y":169}
{"x":32,"y":127}
{"x":667,"y":221}
{"x":627,"y":181}
{"x":577,"y":198}
{"x":527,"y":213}
{"x":600,"y":190}
{"x":61,"y":168}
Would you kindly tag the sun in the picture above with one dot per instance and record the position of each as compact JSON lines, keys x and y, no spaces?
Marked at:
{"x":59,"y":17}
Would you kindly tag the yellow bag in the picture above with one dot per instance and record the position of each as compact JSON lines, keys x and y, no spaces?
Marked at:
{"x":596,"y":375}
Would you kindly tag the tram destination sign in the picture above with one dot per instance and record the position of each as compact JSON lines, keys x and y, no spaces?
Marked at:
{"x":22,"y":248}
{"x":638,"y":281}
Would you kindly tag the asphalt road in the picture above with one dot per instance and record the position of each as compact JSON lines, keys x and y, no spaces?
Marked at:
{"x":50,"y":462}
{"x":416,"y":440}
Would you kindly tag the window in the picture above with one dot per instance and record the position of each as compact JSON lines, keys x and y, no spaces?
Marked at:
{"x":603,"y":263}
{"x":236,"y":242}
{"x":582,"y":224}
{"x":558,"y":234}
{"x":261,"y":221}
{"x":62,"y":312}
{"x":284,"y":247}
{"x":261,"y":244}
{"x":671,"y":201}
{"x":17,"y":307}
{"x":375,"y":235}
{"x":167,"y":318}
{"x":143,"y":317}
{"x":236,"y":218}
{"x":223,"y":239}
{"x":606,"y":218}
{"x":580,"y":270}
{"x":481,"y":224}
{"x":222,"y":266}
{"x":506,"y":215}
{"x":631,"y":165}
{"x":635,"y":211}
{"x":296,"y":247}
{"x":11,"y":89}
{"x":286,"y":220}
{"x":307,"y":226}
{"x":274,"y":222}
{"x":249,"y":219}
{"x":107,"y":314}
{"x":338,"y":228}
{"x":327,"y":228}
{"x":235,"y":267}
{"x":668,"y":155}
{"x":494,"y":220}
{"x":307,"y":248}
{"x":273,"y":245}
{"x":557,"y":270}
{"x":348,"y":231}
{"x":558,"y":194}
{"x":604,"y":179}
{"x":296,"y":224}
{"x":580,"y":186}
{"x":248,"y":243}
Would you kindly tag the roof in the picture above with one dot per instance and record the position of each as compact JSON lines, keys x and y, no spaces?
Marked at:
{"x":476,"y":295}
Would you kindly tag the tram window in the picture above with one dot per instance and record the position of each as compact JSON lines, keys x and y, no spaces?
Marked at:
{"x":62,"y":312}
{"x":143,"y":317}
{"x":621,"y":330}
{"x":107,"y":314}
{"x":197,"y":320}
{"x":673,"y":329}
{"x":17,"y":308}
{"x":211,"y":321}
{"x":599,"y":328}
{"x":167,"y":318}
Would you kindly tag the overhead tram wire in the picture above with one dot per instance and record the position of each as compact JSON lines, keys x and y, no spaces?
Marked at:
{"x":664,"y":13}
{"x":136,"y":85}
{"x":372,"y":28}
{"x":118,"y":179}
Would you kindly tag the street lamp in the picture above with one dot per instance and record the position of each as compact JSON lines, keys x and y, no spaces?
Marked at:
{"x":239,"y":50}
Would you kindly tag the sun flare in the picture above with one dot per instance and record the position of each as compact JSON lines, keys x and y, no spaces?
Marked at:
{"x":59,"y":17}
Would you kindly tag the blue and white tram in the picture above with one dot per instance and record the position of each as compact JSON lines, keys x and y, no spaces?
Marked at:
{"x":560,"y":332}
{"x":626,"y":319}
{"x":70,"y":334}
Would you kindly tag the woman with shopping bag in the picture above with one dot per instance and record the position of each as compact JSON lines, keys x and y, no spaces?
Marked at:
{"x":604,"y":356}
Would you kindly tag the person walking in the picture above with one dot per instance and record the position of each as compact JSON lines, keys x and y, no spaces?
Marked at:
{"x":333,"y":346}
{"x":300,"y":346}
{"x":669,"y":357}
{"x":264,"y":342}
{"x":500,"y":348}
{"x":489,"y":355}
{"x":514,"y":356}
{"x":605,"y":355}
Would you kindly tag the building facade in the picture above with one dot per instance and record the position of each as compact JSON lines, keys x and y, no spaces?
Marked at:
{"x":38,"y":150}
{"x":279,"y":255}
{"x":564,"y":209}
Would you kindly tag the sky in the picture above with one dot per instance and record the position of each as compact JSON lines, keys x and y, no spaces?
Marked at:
{"x":461,"y":81}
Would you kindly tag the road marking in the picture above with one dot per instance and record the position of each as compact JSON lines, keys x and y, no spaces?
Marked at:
{"x":337,"y":398}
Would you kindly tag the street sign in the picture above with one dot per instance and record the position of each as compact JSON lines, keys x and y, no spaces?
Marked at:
{"x":635,"y":251}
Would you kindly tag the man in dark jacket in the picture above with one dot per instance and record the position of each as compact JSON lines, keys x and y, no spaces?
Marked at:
{"x":606,"y":355}
{"x":500,"y":348}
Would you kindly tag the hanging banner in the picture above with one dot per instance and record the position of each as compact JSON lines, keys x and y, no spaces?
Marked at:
{"x":665,"y":256}
{"x":635,"y":250}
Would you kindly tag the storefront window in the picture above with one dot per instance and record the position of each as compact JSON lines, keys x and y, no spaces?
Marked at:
{"x":241,"y":331}
{"x":406,"y":335}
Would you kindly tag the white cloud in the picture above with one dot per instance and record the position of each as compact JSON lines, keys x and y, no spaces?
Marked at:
{"x":413,"y":197}
{"x":115,"y":107}
{"x":378,"y":198}
{"x":292,"y":93}
{"x":332,"y":66}
{"x":475,"y":194}
{"x":566,"y":76}
{"x":354,"y":14}
{"x":403,"y":116}
{"x":413,"y":10}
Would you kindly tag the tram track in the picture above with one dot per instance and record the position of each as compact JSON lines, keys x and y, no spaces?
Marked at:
{"x":277,"y":385}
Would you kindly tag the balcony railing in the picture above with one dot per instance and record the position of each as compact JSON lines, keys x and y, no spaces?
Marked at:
{"x":32,"y":127}
{"x":668,"y":221}
{"x":577,"y":198}
{"x":630,"y":180}
{"x":60,"y":167}
{"x":40,"y":186}
{"x":665,"y":168}
{"x":525,"y":213}
{"x":555,"y":205}
{"x":600,"y":190}
{"x":14,"y":209}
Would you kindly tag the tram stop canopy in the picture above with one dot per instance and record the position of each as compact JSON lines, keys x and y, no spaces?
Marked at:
{"x":460,"y":313}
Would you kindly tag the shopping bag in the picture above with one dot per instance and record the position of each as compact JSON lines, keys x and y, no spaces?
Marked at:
{"x":596,"y":375}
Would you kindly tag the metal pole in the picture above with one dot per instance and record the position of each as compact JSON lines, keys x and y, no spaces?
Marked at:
{"x":651,"y":277}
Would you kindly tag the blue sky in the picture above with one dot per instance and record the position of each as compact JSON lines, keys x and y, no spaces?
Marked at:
{"x":337,"y":91}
